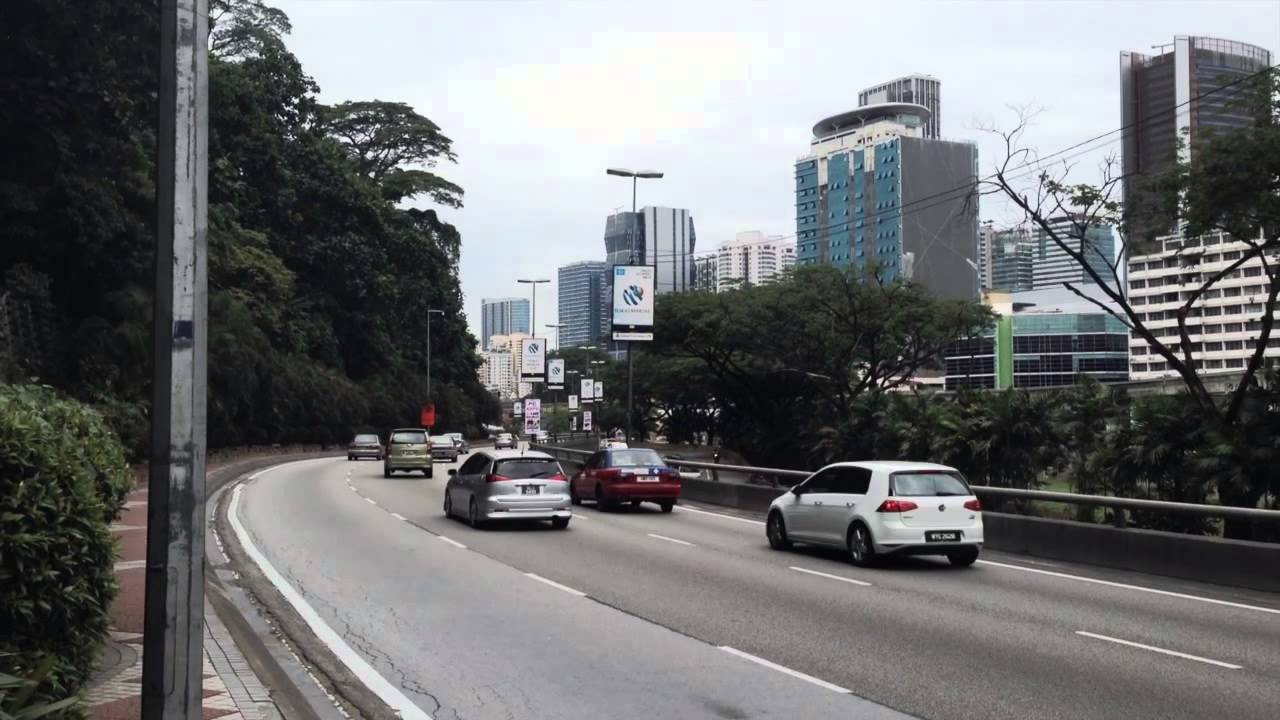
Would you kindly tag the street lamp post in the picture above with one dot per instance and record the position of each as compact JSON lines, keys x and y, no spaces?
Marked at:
{"x":635,"y":176}
{"x":430,"y":395}
{"x":533,"y":309}
{"x":567,"y":373}
{"x":591,"y":369}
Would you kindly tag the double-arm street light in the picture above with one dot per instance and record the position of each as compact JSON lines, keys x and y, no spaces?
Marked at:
{"x":635,"y":176}
{"x":533,"y":309}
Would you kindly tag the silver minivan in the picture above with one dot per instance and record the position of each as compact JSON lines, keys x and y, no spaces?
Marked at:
{"x":509,"y":485}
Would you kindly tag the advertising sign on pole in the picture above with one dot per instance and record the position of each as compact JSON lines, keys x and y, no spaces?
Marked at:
{"x":633,"y":302}
{"x":573,"y":423}
{"x":598,"y":393}
{"x":533,"y":360}
{"x":573,"y":402}
{"x":532,"y":415}
{"x":517,"y":409}
{"x":588,"y":391}
{"x":555,"y":374}
{"x":428,"y":417}
{"x":586,"y":419}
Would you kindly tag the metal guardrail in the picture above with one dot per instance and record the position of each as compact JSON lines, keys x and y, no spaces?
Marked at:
{"x":1117,"y":504}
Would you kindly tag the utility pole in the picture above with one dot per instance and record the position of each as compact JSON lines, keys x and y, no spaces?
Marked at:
{"x":173,"y":627}
{"x":431,"y":398}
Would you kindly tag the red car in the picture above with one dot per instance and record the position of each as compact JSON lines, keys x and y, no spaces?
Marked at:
{"x":619,"y":475}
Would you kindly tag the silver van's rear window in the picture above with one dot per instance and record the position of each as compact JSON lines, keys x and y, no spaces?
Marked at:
{"x":526,"y":468}
{"x":409,"y":437}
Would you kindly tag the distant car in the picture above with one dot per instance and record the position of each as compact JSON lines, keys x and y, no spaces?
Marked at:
{"x":508,"y":485}
{"x":631,"y":475}
{"x":461,"y":442}
{"x":444,"y":448}
{"x":407,"y":449}
{"x":504,"y":440}
{"x":365,"y":446}
{"x":875,"y":509}
{"x":540,"y":436}
{"x":612,"y":443}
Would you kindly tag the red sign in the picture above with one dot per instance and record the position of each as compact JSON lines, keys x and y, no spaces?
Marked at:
{"x":429,"y":415}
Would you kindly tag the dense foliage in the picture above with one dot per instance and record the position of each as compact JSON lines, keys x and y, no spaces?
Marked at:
{"x":63,"y":476}
{"x":320,"y":276}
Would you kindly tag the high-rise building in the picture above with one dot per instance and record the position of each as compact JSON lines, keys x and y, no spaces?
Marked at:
{"x":752,"y":258}
{"x":1190,"y":86}
{"x":1053,"y":266}
{"x":704,"y":273}
{"x":658,"y":236}
{"x":509,"y":381}
{"x":919,"y":89}
{"x":1042,"y":338}
{"x":986,"y":235}
{"x":502,"y":316}
{"x":497,"y":373}
{"x":583,"y":294}
{"x":1223,"y":323}
{"x":1013,"y":255}
{"x":875,"y":190}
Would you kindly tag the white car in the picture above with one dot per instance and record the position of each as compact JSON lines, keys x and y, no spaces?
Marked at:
{"x":873,"y":509}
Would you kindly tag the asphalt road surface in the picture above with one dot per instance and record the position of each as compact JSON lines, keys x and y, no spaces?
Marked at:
{"x":637,"y":614}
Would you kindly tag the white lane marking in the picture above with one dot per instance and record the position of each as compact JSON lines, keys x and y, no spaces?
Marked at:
{"x":1163,"y":651}
{"x":851,"y":581}
{"x":399,"y":517}
{"x":371,"y":501}
{"x":556,"y":585}
{"x":266,"y":470}
{"x":352,"y":488}
{"x":670,"y":539}
{"x":783,"y":669}
{"x":1139,"y":588}
{"x":390,"y":694}
{"x":452,"y":542}
{"x":720,"y":515}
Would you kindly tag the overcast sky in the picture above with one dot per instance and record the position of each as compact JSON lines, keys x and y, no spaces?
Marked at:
{"x":539,"y":98}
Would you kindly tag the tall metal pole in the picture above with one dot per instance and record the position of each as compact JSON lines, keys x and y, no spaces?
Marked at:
{"x":173,"y":615}
{"x":430,"y":395}
{"x":635,"y":224}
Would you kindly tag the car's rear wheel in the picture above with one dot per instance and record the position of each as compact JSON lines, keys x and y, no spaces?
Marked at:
{"x":635,"y":503}
{"x":776,"y":530}
{"x":386,"y":471}
{"x":448,"y":504}
{"x":560,"y":523}
{"x":473,"y":514}
{"x":862,"y":551}
{"x":427,"y":472}
{"x":350,"y":458}
{"x":667,"y":505}
{"x":573,"y":495}
{"x":963,"y":557}
{"x":602,"y":503}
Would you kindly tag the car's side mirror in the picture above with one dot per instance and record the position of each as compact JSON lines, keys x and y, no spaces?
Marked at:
{"x":453,"y":471}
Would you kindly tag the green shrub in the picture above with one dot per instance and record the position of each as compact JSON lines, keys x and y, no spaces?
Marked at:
{"x":62,"y":478}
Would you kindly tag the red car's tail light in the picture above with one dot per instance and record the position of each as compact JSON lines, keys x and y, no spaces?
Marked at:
{"x":496,"y":478}
{"x":894,"y":505}
{"x":608,"y":474}
{"x":973,"y":505}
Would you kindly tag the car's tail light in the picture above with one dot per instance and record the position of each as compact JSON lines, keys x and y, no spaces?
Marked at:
{"x":894,"y":505}
{"x":973,"y":505}
{"x":496,"y":478}
{"x":609,"y":474}
{"x":559,"y":477}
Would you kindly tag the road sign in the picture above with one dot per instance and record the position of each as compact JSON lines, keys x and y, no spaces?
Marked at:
{"x":428,"y":415}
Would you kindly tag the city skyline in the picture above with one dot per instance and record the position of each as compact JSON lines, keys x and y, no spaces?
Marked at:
{"x":714,"y":87}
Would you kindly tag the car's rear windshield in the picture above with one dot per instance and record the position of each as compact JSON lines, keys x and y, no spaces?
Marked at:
{"x":635,"y":458}
{"x":366,"y":439}
{"x":409,"y":437}
{"x":526,"y":468}
{"x":441,"y":440}
{"x":928,"y":484}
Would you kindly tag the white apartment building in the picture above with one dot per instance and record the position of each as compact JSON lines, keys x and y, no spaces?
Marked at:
{"x":503,"y":360}
{"x":1223,"y":324}
{"x":752,"y":258}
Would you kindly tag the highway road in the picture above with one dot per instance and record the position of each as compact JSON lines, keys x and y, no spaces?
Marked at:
{"x":637,"y":614}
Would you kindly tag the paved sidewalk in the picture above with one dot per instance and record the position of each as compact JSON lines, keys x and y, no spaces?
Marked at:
{"x":231,"y":689}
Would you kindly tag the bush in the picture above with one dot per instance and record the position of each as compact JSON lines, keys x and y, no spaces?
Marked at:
{"x":62,"y":478}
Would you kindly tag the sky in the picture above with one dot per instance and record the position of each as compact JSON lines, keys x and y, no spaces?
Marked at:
{"x":540,"y":97}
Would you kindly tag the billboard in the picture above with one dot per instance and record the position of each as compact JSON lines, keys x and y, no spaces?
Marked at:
{"x":573,"y":423}
{"x":633,"y":302}
{"x":588,"y":391}
{"x":517,"y":409}
{"x":555,"y":374}
{"x":533,"y":360}
{"x":586,"y":419}
{"x":532,"y":415}
{"x":573,"y":402}
{"x":598,"y":392}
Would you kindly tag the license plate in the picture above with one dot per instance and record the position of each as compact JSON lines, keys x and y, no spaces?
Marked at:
{"x":942,"y":536}
{"x":530,"y":489}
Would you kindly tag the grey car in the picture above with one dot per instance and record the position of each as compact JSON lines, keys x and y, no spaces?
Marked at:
{"x":494,"y":485}
{"x":464,"y":447}
{"x":444,"y":448}
{"x":504,"y":440}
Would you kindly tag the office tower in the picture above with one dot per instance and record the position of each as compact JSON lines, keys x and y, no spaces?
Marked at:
{"x":1042,"y":338}
{"x":1223,"y":324}
{"x":583,"y":303}
{"x":704,"y":272}
{"x":986,"y":235}
{"x":751,"y":258}
{"x":669,"y":241}
{"x":1013,"y":256}
{"x":919,"y":89}
{"x":1053,"y":266}
{"x":503,"y":316}
{"x":507,"y":372}
{"x":1192,"y":86}
{"x":875,"y":190}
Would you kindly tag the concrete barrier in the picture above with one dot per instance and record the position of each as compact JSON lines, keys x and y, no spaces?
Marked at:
{"x":735,"y":495}
{"x":1238,"y":563}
